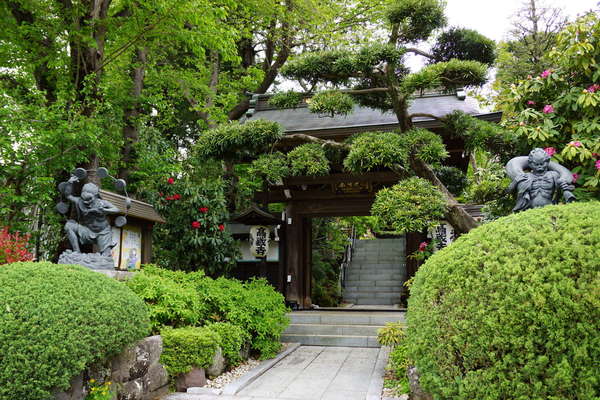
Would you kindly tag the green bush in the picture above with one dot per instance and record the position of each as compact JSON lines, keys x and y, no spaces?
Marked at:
{"x":512,"y":309}
{"x":179,"y":299}
{"x":186,"y":348}
{"x":232,"y":338}
{"x":391,"y":334}
{"x":58,"y":319}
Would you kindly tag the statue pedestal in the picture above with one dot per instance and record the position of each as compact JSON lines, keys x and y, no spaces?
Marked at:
{"x":95,"y":261}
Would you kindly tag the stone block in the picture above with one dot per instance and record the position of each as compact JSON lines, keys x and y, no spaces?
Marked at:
{"x":156,"y":378}
{"x":133,"y":363}
{"x":217,"y":366}
{"x":132,"y":390}
{"x":195,"y":378}
{"x":416,"y":392}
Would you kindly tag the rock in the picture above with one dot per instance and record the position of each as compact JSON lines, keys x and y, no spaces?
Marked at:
{"x":416,"y":393}
{"x":195,"y":378}
{"x":245,"y":351}
{"x":218,"y":364}
{"x":134,"y":362}
{"x":89,"y":260}
{"x":132,"y":390}
{"x":75,"y":392}
{"x":156,"y":378}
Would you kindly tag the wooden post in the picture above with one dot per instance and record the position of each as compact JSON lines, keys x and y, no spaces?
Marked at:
{"x":293,"y":254}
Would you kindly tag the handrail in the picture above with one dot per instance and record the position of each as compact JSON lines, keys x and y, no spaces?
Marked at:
{"x":348,"y":252}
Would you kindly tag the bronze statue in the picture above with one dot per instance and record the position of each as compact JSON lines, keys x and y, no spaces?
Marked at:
{"x":90,"y":224}
{"x":541,"y":185}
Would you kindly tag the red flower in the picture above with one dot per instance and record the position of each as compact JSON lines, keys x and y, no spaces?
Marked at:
{"x":423,"y":246}
{"x":221,"y":227}
{"x":170,"y":181}
{"x":169,"y":198}
{"x":203,"y":209}
{"x":196,"y":224}
{"x":160,"y":194}
{"x":176,"y":196}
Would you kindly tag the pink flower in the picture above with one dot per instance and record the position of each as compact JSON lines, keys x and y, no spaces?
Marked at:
{"x":575,"y":143}
{"x":598,"y":165}
{"x":423,"y":246}
{"x":531,"y":103}
{"x":575,"y":177}
{"x":196,"y":224}
{"x":550,"y":151}
{"x":546,"y":73}
{"x":548,"y":109}
{"x":593,"y":88}
{"x":170,"y":181}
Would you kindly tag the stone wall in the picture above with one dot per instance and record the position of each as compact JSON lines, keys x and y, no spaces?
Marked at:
{"x":136,"y":373}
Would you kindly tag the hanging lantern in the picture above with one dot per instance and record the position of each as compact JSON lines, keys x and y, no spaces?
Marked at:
{"x":259,"y":241}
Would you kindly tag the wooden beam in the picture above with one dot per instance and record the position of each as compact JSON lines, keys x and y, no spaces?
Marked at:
{"x":384,"y":176}
{"x":315,"y":195}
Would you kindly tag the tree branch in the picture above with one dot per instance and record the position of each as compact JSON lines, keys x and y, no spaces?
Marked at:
{"x":419,"y":52}
{"x":300,"y":138}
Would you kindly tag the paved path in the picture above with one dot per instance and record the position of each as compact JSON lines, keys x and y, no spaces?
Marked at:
{"x":316,"y":373}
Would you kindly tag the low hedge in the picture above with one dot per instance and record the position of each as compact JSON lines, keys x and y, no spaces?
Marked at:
{"x":512,"y":309}
{"x":57,"y":319}
{"x":179,"y":299}
{"x":231,"y":340}
{"x":186,"y":348}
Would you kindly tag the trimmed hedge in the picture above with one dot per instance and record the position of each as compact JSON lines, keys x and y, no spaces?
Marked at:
{"x":180,"y":299}
{"x":57,"y":319}
{"x":512,"y":309}
{"x":186,"y":348}
{"x":232,"y":339}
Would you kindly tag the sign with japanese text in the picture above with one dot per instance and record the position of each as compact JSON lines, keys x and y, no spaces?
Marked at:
{"x":259,"y":241}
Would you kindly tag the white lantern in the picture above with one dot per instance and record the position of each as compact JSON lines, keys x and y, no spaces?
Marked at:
{"x":259,"y":241}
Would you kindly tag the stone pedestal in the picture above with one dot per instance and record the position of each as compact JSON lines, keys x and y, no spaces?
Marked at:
{"x":88,"y":260}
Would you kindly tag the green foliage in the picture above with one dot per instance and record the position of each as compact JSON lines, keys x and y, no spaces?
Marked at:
{"x":375,"y":150}
{"x":511,"y":309}
{"x":489,"y":183}
{"x":289,"y":99}
{"x":425,"y":145}
{"x":273,"y":167}
{"x":412,"y":205}
{"x":238,"y":141}
{"x":391,"y":334}
{"x":449,"y":75}
{"x":417,"y":19}
{"x":308,"y":159}
{"x":463,"y":44}
{"x":172,"y":297}
{"x":329,"y":238}
{"x":187,"y":348}
{"x":331,"y":103}
{"x":193,"y":236}
{"x":453,"y":178}
{"x":176,"y":298}
{"x":559,"y":108}
{"x":100,"y":391}
{"x":399,"y":362}
{"x":232,"y":338}
{"x":58,"y":319}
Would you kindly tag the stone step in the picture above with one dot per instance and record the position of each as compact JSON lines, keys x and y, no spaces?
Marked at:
{"x":375,"y":265}
{"x":332,"y":340}
{"x":345,"y":317}
{"x":365,"y":276}
{"x":382,"y":283}
{"x":366,"y":291}
{"x":343,"y":330}
{"x":374,"y":270}
{"x":371,"y":302}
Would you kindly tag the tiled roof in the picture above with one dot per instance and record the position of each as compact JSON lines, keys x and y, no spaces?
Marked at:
{"x":300,"y":119}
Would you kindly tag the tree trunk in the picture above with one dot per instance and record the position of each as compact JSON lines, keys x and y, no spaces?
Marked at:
{"x":460,"y":220}
{"x":131,"y":134}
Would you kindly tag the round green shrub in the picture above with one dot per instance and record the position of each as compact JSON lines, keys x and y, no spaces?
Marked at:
{"x":186,"y":348}
{"x":57,"y":319}
{"x":512,"y":309}
{"x":232,"y":338}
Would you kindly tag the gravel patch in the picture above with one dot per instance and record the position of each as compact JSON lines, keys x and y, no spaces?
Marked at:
{"x":220,"y":381}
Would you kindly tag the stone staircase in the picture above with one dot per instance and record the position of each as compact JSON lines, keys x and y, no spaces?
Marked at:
{"x":376,"y":273}
{"x":338,"y":328}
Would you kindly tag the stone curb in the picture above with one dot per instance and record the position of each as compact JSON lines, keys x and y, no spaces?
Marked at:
{"x":376,"y":384}
{"x":249,"y":377}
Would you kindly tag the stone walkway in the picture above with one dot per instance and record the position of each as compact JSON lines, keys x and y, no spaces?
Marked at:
{"x":315,"y":373}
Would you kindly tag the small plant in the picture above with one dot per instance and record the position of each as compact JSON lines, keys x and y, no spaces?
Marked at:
{"x":13,"y":247}
{"x":425,"y":250}
{"x":392,"y":334}
{"x":100,"y":391}
{"x":186,"y":348}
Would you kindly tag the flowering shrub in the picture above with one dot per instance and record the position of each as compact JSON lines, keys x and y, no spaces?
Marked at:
{"x":13,"y":247}
{"x":99,"y":391}
{"x":194,"y":235}
{"x":560,"y":109}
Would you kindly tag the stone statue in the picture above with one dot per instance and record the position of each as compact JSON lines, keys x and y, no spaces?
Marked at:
{"x":90,"y":224}
{"x":541,"y":185}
